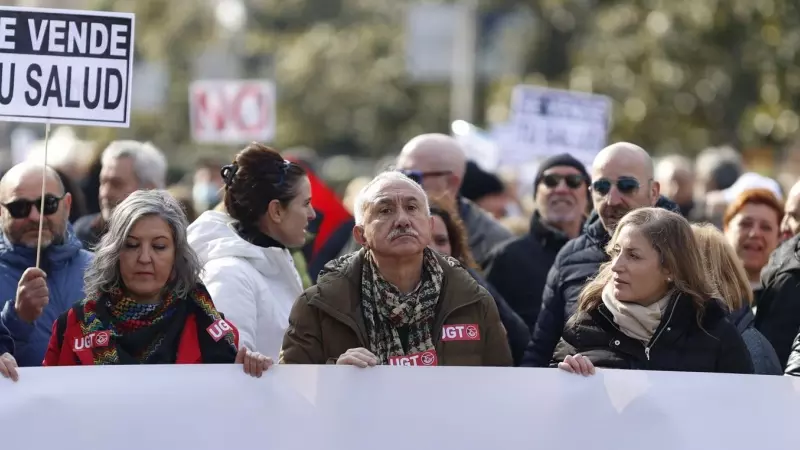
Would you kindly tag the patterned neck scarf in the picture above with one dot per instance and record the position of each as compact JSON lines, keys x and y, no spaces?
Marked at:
{"x":144,"y":333}
{"x":386,"y":309}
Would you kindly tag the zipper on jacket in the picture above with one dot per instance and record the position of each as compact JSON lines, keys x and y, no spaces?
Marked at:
{"x":663,"y":326}
{"x":652,"y":342}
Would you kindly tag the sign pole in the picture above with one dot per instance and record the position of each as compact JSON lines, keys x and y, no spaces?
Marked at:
{"x":44,"y":184}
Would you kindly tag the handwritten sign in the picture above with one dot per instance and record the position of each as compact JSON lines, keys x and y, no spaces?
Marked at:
{"x":551,"y":121}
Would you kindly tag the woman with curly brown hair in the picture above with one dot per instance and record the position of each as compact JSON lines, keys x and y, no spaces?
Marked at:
{"x":450,"y":238}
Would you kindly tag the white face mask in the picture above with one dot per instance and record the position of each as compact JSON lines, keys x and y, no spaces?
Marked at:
{"x":205,"y":196}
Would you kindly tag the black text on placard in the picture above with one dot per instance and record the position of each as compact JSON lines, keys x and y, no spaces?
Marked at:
{"x":71,"y":67}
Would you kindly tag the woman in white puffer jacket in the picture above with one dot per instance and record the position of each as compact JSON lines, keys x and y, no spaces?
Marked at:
{"x":247,"y":266}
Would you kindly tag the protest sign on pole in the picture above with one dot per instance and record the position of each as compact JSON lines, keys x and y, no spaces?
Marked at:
{"x":213,"y":406}
{"x":551,"y":121}
{"x":232,"y":111}
{"x":66,"y":66}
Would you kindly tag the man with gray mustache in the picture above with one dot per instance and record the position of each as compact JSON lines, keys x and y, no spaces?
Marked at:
{"x":622,"y":180}
{"x":518,"y":268}
{"x":395,"y":301}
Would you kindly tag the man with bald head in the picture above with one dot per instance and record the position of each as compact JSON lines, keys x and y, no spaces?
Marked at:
{"x":437,"y":162}
{"x":396,"y":301}
{"x":622,"y":180}
{"x":33,"y":298}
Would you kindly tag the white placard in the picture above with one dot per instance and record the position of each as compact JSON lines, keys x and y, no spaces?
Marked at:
{"x":393,"y":408}
{"x":552,"y":121}
{"x":232,"y":111}
{"x":66,"y":66}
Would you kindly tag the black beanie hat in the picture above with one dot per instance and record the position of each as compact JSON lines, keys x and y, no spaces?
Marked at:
{"x":563,"y":159}
{"x":478,"y":183}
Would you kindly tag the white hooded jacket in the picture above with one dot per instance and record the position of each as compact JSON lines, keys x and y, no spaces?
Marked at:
{"x":254,"y":287}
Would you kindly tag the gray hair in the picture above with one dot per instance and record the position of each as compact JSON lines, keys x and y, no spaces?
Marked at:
{"x":370,"y":190}
{"x":149,"y":163}
{"x":103,"y":274}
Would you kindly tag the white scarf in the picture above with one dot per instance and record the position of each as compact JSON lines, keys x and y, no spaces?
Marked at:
{"x":635,"y":320}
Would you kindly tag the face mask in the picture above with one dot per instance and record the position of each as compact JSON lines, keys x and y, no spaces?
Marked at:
{"x":205,"y":196}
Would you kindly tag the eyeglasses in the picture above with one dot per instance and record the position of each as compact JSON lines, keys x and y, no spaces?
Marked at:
{"x":20,"y":209}
{"x":625,"y":185}
{"x":574,"y":181}
{"x":418,"y":175}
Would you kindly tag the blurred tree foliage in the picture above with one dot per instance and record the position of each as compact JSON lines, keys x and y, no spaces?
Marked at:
{"x":684,"y":74}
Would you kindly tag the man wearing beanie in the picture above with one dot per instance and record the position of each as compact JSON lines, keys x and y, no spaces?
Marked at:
{"x":518,"y":269}
{"x":622,"y":180}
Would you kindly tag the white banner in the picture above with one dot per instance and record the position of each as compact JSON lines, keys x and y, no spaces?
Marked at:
{"x":232,"y":111}
{"x":386,"y":408}
{"x":65,"y":66}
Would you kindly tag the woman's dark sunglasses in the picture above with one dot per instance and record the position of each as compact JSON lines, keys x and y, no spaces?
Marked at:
{"x":574,"y":181}
{"x":20,"y":209}
{"x":625,"y":185}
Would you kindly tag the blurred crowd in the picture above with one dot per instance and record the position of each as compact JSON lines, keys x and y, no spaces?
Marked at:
{"x":634,"y":262}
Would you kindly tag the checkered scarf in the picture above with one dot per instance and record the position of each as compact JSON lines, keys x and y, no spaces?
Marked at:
{"x":386,"y":309}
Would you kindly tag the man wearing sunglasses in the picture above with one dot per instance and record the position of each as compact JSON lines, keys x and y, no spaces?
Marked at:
{"x":518,"y":268}
{"x":438,"y":163}
{"x":622,"y":180}
{"x":33,"y":298}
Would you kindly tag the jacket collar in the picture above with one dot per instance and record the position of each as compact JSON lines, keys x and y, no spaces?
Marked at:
{"x":338,"y":292}
{"x":597,"y":233}
{"x":546,"y":235}
{"x":53,"y":257}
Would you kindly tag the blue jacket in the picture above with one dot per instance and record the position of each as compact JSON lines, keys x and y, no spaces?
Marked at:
{"x":64,"y":265}
{"x":6,"y":343}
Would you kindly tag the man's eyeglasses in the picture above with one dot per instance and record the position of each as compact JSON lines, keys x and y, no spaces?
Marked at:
{"x":625,"y":185}
{"x":418,"y":175}
{"x":20,"y":209}
{"x":574,"y":181}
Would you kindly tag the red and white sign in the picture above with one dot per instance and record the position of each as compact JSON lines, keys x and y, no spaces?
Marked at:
{"x":427,"y":358}
{"x":92,"y":340}
{"x":232,"y":112}
{"x":462,"y":332}
{"x":219,"y":329}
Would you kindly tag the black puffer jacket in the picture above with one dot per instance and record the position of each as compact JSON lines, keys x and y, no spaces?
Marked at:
{"x":678,"y":343}
{"x":580,"y":259}
{"x":518,"y":268}
{"x":516,"y":330}
{"x":778,"y":312}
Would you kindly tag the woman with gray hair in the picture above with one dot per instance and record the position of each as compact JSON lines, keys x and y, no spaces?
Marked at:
{"x":145,"y":303}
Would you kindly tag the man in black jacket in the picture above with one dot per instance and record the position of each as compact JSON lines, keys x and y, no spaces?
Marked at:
{"x":778,"y":304}
{"x":622,"y":180}
{"x":518,"y":268}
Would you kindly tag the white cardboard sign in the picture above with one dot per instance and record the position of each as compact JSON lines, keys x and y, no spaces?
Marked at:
{"x":66,"y":66}
{"x":393,"y":408}
{"x":552,"y":121}
{"x":232,"y":112}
